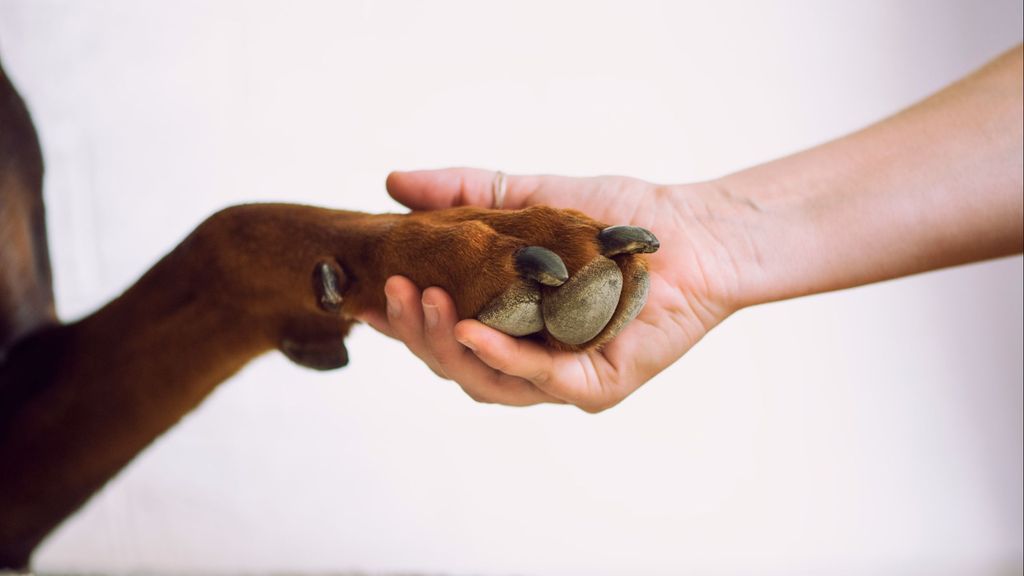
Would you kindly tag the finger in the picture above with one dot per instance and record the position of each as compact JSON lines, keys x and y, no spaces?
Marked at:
{"x":405,"y":317}
{"x":434,"y":189}
{"x":568,"y":376}
{"x":642,"y":350}
{"x":479,"y":381}
{"x":378,"y":321}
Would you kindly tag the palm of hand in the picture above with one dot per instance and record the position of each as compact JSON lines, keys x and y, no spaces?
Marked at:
{"x":691,"y":280}
{"x":688,"y":281}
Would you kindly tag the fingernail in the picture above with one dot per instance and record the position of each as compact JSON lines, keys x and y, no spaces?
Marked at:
{"x":430,"y":315}
{"x":468,"y":344}
{"x":394,"y":307}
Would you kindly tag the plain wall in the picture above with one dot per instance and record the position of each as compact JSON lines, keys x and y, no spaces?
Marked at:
{"x":870,"y":431}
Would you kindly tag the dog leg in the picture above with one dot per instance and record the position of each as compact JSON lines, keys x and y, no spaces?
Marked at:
{"x":78,"y":402}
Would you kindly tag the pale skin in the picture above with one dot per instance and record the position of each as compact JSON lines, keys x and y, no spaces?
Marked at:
{"x":937,"y":185}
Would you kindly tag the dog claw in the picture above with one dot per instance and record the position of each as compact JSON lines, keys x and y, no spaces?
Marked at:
{"x":328,"y":286}
{"x":616,"y":240}
{"x":542,"y":265}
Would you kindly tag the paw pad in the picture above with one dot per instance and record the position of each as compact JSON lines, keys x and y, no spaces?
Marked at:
{"x":595,"y":302}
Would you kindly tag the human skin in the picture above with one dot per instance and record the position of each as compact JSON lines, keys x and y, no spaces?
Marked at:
{"x":936,"y":185}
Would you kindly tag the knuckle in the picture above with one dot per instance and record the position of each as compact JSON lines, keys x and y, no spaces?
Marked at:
{"x":502,"y":365}
{"x":540,"y":378}
{"x":498,"y":361}
{"x":405,"y":325}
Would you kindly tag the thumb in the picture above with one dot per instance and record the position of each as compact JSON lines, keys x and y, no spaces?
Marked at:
{"x":434,"y":189}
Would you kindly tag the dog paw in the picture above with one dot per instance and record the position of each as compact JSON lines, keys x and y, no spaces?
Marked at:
{"x":585,"y":308}
{"x":579,"y":286}
{"x":550,"y":274}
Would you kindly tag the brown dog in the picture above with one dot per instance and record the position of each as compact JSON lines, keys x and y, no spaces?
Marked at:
{"x":79,"y":401}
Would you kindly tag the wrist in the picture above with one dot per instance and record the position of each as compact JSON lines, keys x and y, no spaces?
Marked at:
{"x":721,"y":223}
{"x":773,"y":234}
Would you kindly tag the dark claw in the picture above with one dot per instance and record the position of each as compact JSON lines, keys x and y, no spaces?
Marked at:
{"x":617,"y":240}
{"x":542,"y":265}
{"x":328,"y":286}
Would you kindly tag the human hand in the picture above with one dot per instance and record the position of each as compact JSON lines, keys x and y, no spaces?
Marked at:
{"x":693,"y":287}
{"x":937,"y":185}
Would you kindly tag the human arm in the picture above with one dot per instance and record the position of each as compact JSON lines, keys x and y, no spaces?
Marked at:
{"x":936,"y":185}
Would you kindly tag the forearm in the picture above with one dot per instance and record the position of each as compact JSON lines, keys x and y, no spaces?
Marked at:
{"x":937,"y":185}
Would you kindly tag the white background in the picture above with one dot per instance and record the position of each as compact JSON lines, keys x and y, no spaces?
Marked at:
{"x":872,"y":431}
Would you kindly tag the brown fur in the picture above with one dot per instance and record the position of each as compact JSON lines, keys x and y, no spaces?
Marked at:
{"x":79,"y":401}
